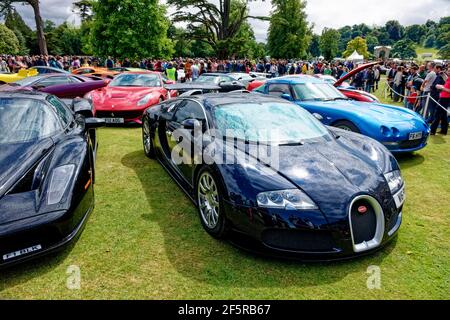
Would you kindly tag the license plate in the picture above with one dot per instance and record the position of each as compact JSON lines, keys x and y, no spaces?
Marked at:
{"x":415,"y":136}
{"x":400,"y":197}
{"x":114,"y":120}
{"x":21,"y":252}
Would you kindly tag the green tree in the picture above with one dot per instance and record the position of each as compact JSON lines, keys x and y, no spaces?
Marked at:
{"x":130,"y":28}
{"x":395,"y":30}
{"x":429,"y":41}
{"x":289,"y":35}
{"x":9,"y":43}
{"x":83,"y":8}
{"x":215,"y":23}
{"x":24,"y":34}
{"x":404,"y":49}
{"x":444,"y":51}
{"x":345,"y":37}
{"x":7,"y":5}
{"x":415,"y":32}
{"x":329,"y":43}
{"x":314,"y":46}
{"x":372,"y":42}
{"x":359,"y":45}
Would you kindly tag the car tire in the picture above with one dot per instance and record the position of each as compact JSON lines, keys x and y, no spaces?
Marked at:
{"x":209,"y":198}
{"x":147,"y":140}
{"x":346,"y":125}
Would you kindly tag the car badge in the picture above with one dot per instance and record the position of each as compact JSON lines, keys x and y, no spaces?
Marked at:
{"x":362,"y":209}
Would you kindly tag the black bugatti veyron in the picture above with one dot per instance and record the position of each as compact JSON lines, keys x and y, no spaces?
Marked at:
{"x":331,"y":194}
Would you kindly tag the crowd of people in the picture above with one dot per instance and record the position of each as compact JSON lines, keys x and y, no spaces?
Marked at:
{"x":410,"y":83}
{"x":422,"y":89}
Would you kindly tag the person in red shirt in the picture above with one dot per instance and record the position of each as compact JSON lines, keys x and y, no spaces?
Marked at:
{"x":412,"y":98}
{"x":441,"y":115}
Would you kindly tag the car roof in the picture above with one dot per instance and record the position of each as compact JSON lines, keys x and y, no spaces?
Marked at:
{"x":217,"y":99}
{"x":24,"y":94}
{"x":296,"y":79}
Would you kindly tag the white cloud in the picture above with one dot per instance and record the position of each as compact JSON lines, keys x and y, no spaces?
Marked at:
{"x":323,"y":13}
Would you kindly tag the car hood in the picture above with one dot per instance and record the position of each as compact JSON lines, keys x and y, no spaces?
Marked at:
{"x":381,"y":112}
{"x":332,"y":173}
{"x":17,"y":158}
{"x":354,"y":71}
{"x":111,"y":95}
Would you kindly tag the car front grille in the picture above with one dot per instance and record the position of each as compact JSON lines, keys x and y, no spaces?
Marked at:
{"x":363,"y":225}
{"x":298,"y":240}
{"x":408,"y":144}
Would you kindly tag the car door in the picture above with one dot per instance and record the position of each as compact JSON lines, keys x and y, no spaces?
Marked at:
{"x":188,"y":109}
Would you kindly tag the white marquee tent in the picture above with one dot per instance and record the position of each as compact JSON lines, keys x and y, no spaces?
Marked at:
{"x":355,"y":57}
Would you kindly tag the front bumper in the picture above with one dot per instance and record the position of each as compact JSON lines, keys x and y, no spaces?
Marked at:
{"x":406,"y":146}
{"x":37,"y":236}
{"x":302,"y":235}
{"x":128,"y":116}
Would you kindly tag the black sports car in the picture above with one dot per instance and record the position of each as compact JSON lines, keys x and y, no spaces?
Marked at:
{"x":47,"y":156}
{"x":319,"y":192}
{"x":226,"y":82}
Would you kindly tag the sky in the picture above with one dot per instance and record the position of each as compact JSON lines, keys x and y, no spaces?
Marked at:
{"x":322,"y":13}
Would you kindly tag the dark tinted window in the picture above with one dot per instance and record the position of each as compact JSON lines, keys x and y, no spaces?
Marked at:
{"x":61,"y":110}
{"x":52,"y":81}
{"x":189,"y":110}
{"x":25,"y":120}
{"x":279,"y":89}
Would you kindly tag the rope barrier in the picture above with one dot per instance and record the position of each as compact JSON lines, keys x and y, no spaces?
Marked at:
{"x":428,"y":96}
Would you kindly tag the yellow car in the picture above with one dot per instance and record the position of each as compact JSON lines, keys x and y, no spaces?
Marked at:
{"x":12,"y":77}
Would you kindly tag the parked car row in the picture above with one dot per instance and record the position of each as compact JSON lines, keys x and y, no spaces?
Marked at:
{"x":335,"y":190}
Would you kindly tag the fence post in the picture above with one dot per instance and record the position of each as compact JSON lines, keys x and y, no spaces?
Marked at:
{"x":425,"y":110}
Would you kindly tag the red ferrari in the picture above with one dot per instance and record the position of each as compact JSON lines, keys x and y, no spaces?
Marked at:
{"x":126,"y":97}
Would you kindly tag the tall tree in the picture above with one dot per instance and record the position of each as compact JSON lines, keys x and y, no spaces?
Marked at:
{"x":415,"y":32}
{"x":214,"y":23}
{"x":395,"y":30}
{"x":24,"y":34}
{"x":130,"y":28}
{"x":83,"y":8}
{"x":329,"y":43}
{"x":6,"y":6}
{"x":404,"y":49}
{"x":8,"y":41}
{"x":314,"y":46}
{"x":359,"y":45}
{"x":289,"y":35}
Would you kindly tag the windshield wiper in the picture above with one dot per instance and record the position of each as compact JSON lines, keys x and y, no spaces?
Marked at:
{"x":291,"y":144}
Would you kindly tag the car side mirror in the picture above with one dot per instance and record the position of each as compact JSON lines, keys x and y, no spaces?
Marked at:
{"x":92,"y":123}
{"x":287,"y":97}
{"x":191,"y":124}
{"x":317,"y":116}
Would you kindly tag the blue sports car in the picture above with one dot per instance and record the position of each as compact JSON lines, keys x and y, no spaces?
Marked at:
{"x":397,"y":128}
{"x":320,"y":193}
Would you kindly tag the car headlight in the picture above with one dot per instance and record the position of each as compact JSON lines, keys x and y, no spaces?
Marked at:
{"x":291,"y":198}
{"x":394,"y":180}
{"x":145,"y":100}
{"x":59,"y":182}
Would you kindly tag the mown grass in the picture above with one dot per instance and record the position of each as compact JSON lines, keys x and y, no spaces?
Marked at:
{"x":144,"y":241}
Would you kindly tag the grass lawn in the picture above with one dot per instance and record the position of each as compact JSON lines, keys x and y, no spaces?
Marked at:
{"x":420,"y":50}
{"x":144,"y":241}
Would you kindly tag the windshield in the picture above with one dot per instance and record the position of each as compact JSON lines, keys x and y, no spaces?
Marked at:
{"x":268,"y":122}
{"x":317,"y":91}
{"x":136,"y":80}
{"x":26,"y":82}
{"x":26,"y":120}
{"x":208,"y":79}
